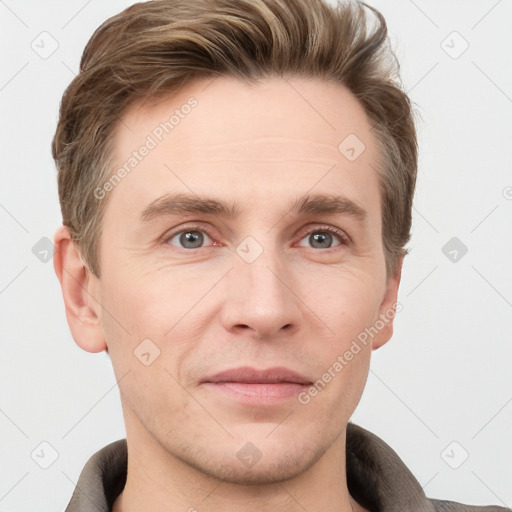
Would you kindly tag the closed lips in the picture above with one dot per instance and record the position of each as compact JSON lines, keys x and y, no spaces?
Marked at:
{"x":250,"y":375}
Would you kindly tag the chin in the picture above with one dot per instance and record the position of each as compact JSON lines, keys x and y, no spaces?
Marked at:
{"x":248,"y":465}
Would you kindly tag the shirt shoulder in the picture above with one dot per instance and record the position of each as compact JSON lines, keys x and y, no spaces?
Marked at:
{"x":101,"y":480}
{"x":452,"y":506}
{"x":379,"y":480}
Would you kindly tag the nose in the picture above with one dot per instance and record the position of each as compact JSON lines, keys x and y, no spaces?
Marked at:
{"x":260,"y":297}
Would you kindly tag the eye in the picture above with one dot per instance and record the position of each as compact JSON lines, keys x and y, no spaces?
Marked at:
{"x":324,"y":238}
{"x":189,"y":238}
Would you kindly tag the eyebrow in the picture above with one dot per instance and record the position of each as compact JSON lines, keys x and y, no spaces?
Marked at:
{"x":176,"y":204}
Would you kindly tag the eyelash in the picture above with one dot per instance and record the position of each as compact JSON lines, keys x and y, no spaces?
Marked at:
{"x":343,"y":237}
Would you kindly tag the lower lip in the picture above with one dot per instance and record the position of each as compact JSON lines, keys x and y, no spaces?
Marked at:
{"x":258,"y":394}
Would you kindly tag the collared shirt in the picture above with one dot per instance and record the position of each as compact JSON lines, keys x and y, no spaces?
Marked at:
{"x":376,"y":477}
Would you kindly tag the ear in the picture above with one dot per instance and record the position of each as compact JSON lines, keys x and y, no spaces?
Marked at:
{"x":388,"y":308}
{"x":83,"y":311}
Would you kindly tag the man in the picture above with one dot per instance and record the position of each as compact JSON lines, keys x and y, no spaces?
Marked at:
{"x":236,"y":182}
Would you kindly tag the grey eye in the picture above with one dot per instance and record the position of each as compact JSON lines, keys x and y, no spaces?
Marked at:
{"x":189,"y":239}
{"x":321,"y":240}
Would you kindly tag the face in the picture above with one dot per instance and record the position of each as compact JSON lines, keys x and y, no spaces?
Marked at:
{"x":241,"y":262}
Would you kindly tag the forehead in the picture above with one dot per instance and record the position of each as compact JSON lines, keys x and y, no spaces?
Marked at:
{"x":230,"y":137}
{"x":274,"y":108}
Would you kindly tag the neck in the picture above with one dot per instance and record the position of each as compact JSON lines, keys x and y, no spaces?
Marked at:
{"x":159,"y":481}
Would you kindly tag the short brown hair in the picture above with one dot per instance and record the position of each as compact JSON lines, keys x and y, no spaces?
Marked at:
{"x":157,"y":47}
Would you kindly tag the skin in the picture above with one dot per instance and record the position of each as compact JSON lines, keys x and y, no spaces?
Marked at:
{"x":297,"y":305}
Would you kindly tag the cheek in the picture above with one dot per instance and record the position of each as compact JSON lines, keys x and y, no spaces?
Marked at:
{"x":334,"y":395}
{"x":347,"y":301}
{"x":347,"y":304}
{"x":153,"y":318}
{"x":142,"y":329}
{"x":150,"y":303}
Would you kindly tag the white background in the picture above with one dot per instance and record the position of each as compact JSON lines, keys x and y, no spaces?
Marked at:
{"x":444,"y":377}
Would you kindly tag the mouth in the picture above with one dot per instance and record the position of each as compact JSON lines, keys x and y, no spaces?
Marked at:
{"x":248,"y":385}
